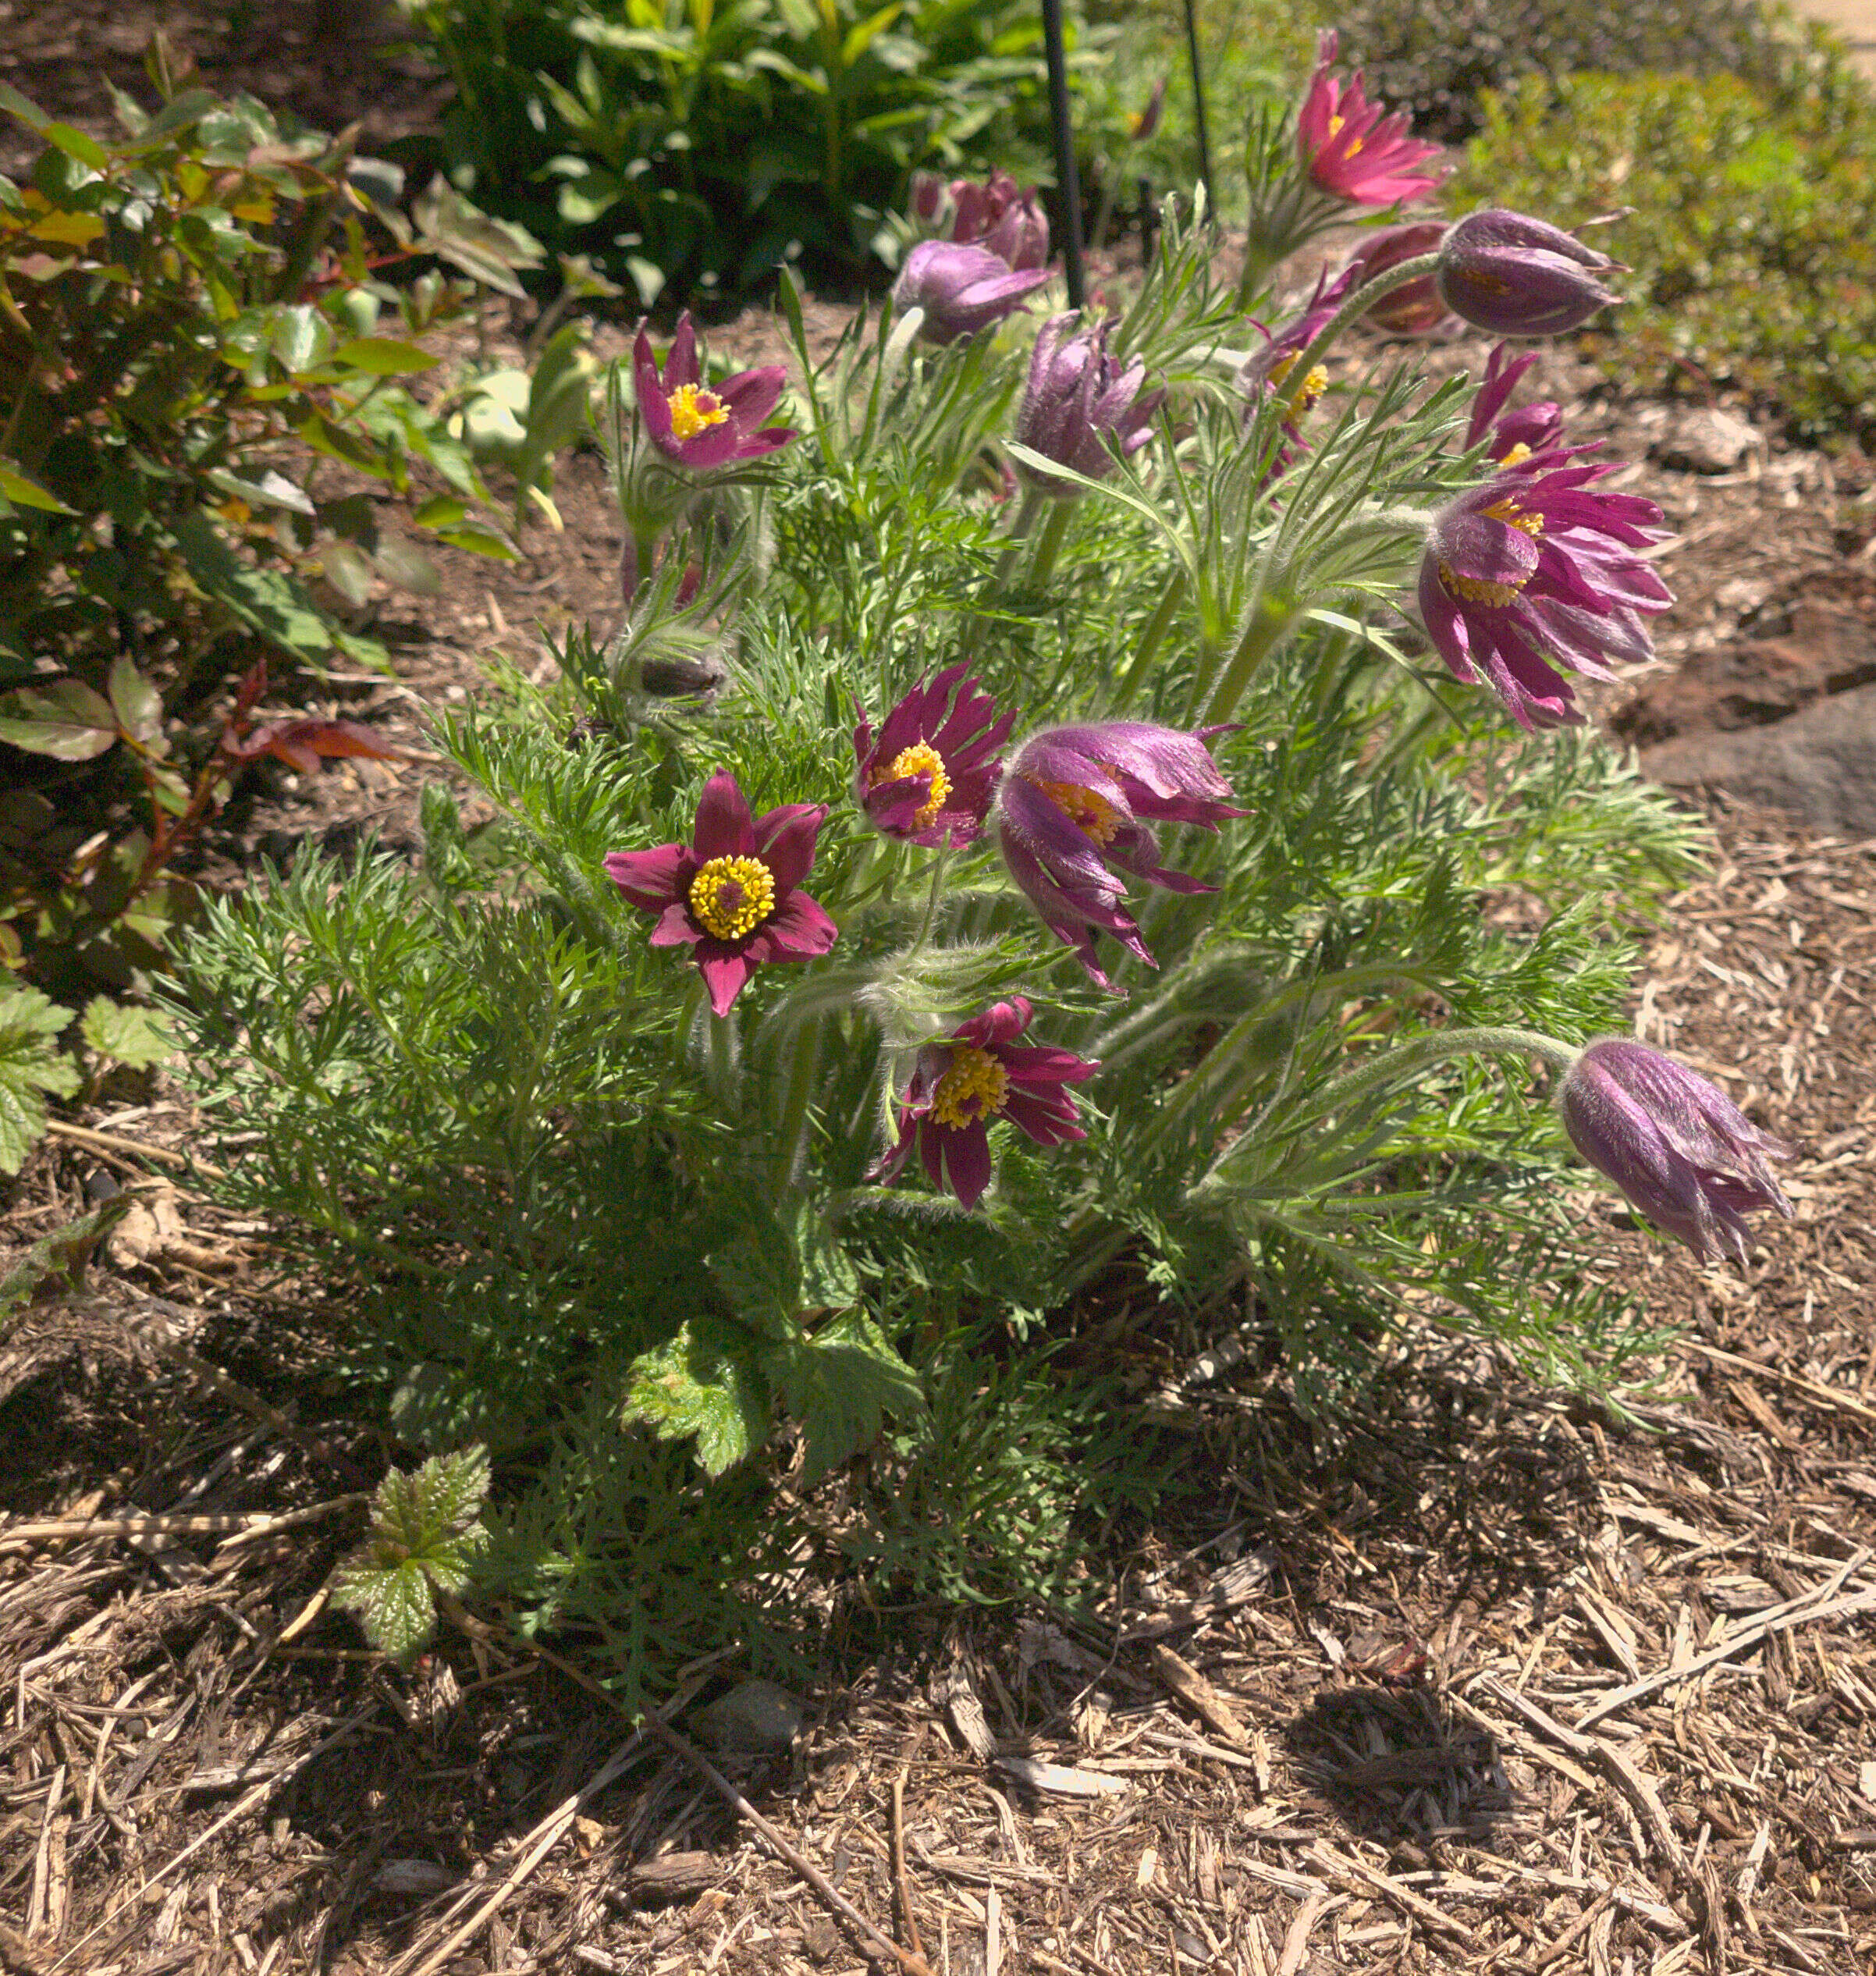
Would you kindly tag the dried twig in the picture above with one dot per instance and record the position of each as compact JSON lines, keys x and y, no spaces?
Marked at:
{"x":243,"y":1529}
{"x":1813,"y":1390}
{"x":902,"y":1886}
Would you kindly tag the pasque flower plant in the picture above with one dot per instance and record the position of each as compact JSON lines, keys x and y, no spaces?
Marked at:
{"x":1246,"y":1057}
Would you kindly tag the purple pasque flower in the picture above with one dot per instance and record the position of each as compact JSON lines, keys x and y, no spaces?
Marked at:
{"x":999,"y":215}
{"x":1069,"y":812}
{"x":1513,"y":436}
{"x":1414,"y":309}
{"x":961,"y":288}
{"x":729,"y":893}
{"x":1348,"y":147}
{"x":695,"y":426}
{"x":978,"y":1074}
{"x":1267,"y":373}
{"x":1515,"y":277}
{"x":1534,"y":570}
{"x":1680,"y":1149}
{"x":1080,"y":404}
{"x":929,"y":776}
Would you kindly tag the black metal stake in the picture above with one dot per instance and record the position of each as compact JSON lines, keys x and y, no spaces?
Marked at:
{"x":1205,"y":141}
{"x":1068,"y":181}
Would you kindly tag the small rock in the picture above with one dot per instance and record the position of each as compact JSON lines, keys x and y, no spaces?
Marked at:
{"x":413,"y":1877}
{"x":1707,"y":441}
{"x":755,"y":1717}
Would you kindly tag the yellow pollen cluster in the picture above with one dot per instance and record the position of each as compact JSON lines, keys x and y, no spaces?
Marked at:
{"x":1517,"y":456}
{"x":694,"y":410}
{"x":1093,"y":815}
{"x":731,"y":896}
{"x":920,"y":759}
{"x":1514,"y":517}
{"x":1316,"y":381}
{"x":973,"y":1089}
{"x":1336,"y":124}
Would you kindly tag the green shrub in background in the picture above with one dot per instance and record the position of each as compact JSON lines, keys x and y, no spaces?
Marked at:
{"x":694,"y":145}
{"x":1438,"y":59}
{"x":195,"y":333}
{"x":1753,"y":236}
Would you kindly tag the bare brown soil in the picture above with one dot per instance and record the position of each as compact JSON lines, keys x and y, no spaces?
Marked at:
{"x":1480,"y":1677}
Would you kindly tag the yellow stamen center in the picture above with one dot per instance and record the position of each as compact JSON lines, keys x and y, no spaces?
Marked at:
{"x":919,"y":760}
{"x":1306,"y":395}
{"x":731,"y":896}
{"x":1336,"y":126}
{"x":1476,"y":590}
{"x":973,"y":1089}
{"x":1517,"y":456}
{"x":1093,"y":815}
{"x":695,"y":409}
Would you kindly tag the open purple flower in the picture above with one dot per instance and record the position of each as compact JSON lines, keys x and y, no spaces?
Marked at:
{"x":930,"y":776}
{"x":999,"y":215}
{"x":1080,"y":405}
{"x":695,"y":426}
{"x":1680,"y":1149}
{"x":1514,"y":436}
{"x":729,"y":893}
{"x":1515,"y":277}
{"x":978,"y":1074}
{"x":1535,"y":571}
{"x":1069,"y":811}
{"x":961,"y":288}
{"x":1267,"y":373}
{"x":1349,"y":149}
{"x":1414,"y":309}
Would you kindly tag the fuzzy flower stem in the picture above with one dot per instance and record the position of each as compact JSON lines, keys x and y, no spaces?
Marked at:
{"x":1441,"y":1048}
{"x":1048,"y":542}
{"x":934,"y":893}
{"x":804,"y":1058}
{"x":1273,"y":618}
{"x":1357,"y":305}
{"x":1152,"y":636}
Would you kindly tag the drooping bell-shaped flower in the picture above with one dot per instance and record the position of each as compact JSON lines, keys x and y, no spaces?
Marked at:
{"x":1414,"y":309}
{"x":693,"y":425}
{"x":977,"y":1074}
{"x":998,"y":214}
{"x":1515,"y":277}
{"x":928,"y":775}
{"x":1348,"y":147}
{"x":1271,"y":373}
{"x":730,"y":895}
{"x":1081,"y":406}
{"x":1513,"y":437}
{"x":1534,"y":570}
{"x":1144,"y":124}
{"x":1679,"y":1147}
{"x":961,"y":288}
{"x":1072,"y":814}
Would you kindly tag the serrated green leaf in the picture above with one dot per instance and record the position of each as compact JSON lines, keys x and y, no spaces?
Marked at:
{"x":29,"y":1067}
{"x":704,"y":1382}
{"x":760,"y":1274}
{"x":395,"y":1603}
{"x":841,"y":1385}
{"x":125,"y":1033}
{"x":428,"y":1515}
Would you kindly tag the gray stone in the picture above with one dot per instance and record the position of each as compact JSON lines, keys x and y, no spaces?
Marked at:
{"x":1820,"y":765}
{"x":755,"y":1718}
{"x":1708,"y":441}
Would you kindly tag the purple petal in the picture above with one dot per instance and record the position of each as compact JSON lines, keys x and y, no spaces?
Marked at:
{"x":724,"y":974}
{"x":798,"y":930}
{"x":785,"y":840}
{"x":724,"y":829}
{"x":650,"y":879}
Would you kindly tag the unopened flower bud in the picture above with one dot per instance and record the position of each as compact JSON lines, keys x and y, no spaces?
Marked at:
{"x":1516,"y":276}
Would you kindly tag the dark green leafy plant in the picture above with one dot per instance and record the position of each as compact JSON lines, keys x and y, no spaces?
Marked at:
{"x":425,"y":1533}
{"x":1439,"y":58}
{"x":695,"y":145}
{"x":193,"y":334}
{"x":1751,"y":232}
